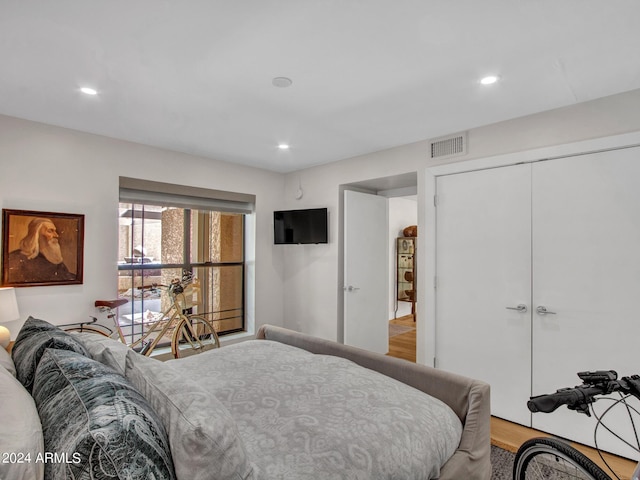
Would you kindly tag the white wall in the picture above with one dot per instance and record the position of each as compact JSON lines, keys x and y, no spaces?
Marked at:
{"x":52,"y":169}
{"x":313,"y":278}
{"x":403,"y":211}
{"x":298,"y":286}
{"x":320,"y":313}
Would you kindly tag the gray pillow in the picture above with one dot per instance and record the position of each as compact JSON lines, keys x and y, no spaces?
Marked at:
{"x":205,"y":442}
{"x":21,"y":439}
{"x":6,"y":362}
{"x":34,"y":338}
{"x":99,"y":346}
{"x":97,"y":422}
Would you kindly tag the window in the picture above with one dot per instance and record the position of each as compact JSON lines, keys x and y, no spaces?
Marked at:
{"x":162,"y":237}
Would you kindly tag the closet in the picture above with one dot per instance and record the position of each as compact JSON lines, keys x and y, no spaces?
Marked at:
{"x":538,"y":275}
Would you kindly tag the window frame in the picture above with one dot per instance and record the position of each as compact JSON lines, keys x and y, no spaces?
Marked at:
{"x":154,"y":193}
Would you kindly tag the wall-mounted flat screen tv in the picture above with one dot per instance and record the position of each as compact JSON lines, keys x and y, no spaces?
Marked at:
{"x":300,"y":226}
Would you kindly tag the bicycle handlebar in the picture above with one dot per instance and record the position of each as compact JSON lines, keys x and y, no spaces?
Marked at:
{"x":579,"y":398}
{"x":575,"y":398}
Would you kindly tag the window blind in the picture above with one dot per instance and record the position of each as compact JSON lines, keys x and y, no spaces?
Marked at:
{"x":135,"y":190}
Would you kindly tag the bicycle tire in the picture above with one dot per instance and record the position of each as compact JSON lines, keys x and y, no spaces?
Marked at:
{"x":550,"y":458}
{"x":88,"y":330}
{"x":194,"y":334}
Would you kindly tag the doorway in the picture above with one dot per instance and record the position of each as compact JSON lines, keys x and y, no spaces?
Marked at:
{"x":403,"y":214}
{"x":400,"y":192}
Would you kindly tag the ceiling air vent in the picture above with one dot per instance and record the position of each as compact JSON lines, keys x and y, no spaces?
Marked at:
{"x":449,"y":146}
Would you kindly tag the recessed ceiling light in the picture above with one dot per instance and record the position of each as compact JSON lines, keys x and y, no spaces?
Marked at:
{"x":283,"y":146}
{"x":489,"y":79}
{"x":89,"y":91}
{"x":282,"y":82}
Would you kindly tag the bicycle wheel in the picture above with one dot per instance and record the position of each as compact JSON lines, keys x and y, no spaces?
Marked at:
{"x":194,"y":334}
{"x":551,"y":459}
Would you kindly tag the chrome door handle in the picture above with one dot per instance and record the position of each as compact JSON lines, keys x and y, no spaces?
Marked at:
{"x":543,"y":311}
{"x":351,"y":288}
{"x":521,"y":308}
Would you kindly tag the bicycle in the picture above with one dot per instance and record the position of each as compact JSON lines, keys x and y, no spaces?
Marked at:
{"x":552,"y":458}
{"x":190,"y":333}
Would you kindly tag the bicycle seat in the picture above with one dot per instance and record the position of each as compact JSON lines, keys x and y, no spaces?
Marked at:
{"x":111,"y":303}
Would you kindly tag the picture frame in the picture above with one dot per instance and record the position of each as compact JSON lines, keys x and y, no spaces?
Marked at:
{"x":42,"y":248}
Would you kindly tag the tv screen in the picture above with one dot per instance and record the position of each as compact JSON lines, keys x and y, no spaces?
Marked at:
{"x":300,"y":226}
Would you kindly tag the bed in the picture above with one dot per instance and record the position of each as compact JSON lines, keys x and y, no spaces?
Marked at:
{"x":282,"y":406}
{"x":468,"y":398}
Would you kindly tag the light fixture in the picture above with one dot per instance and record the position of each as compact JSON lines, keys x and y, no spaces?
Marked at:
{"x":89,"y":91}
{"x":489,"y":79}
{"x":281,"y":82}
{"x":283,"y":146}
{"x":8,"y":313}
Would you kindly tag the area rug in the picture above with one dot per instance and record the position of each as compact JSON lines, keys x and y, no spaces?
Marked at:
{"x":501,"y":464}
{"x":395,"y":330}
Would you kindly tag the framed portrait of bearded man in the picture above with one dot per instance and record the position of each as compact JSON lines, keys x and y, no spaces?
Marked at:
{"x":41,"y":248}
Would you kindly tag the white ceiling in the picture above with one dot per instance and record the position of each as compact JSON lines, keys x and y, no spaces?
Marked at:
{"x":196,"y":76}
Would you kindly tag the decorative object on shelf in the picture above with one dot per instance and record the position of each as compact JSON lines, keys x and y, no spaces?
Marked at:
{"x":410,"y":231}
{"x":8,"y":313}
{"x":406,"y":271}
{"x":41,"y":248}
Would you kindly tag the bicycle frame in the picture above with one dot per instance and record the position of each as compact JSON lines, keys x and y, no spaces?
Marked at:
{"x":162,"y":323}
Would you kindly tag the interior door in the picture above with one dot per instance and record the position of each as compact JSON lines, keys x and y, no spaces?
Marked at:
{"x":366,"y":271}
{"x":483,"y":250}
{"x":586,"y":239}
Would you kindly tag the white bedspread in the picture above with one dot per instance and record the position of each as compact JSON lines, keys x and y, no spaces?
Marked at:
{"x":305,"y":416}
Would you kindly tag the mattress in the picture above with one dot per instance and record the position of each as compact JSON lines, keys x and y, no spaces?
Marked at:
{"x":308,"y":416}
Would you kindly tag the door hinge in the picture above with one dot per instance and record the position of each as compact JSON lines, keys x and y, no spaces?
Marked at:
{"x":434,"y":363}
{"x":436,"y":200}
{"x":435,"y":282}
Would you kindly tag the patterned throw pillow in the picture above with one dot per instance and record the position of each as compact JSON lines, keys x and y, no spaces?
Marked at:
{"x":34,"y":338}
{"x":96,"y":423}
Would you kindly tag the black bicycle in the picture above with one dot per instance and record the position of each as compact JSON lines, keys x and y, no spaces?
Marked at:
{"x":551,"y":458}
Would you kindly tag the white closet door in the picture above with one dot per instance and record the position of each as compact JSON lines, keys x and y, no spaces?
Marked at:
{"x":483,"y":244}
{"x":586,"y":244}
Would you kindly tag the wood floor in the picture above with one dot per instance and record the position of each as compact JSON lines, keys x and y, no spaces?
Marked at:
{"x":403,"y":345}
{"x":504,"y":434}
{"x":510,"y":436}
